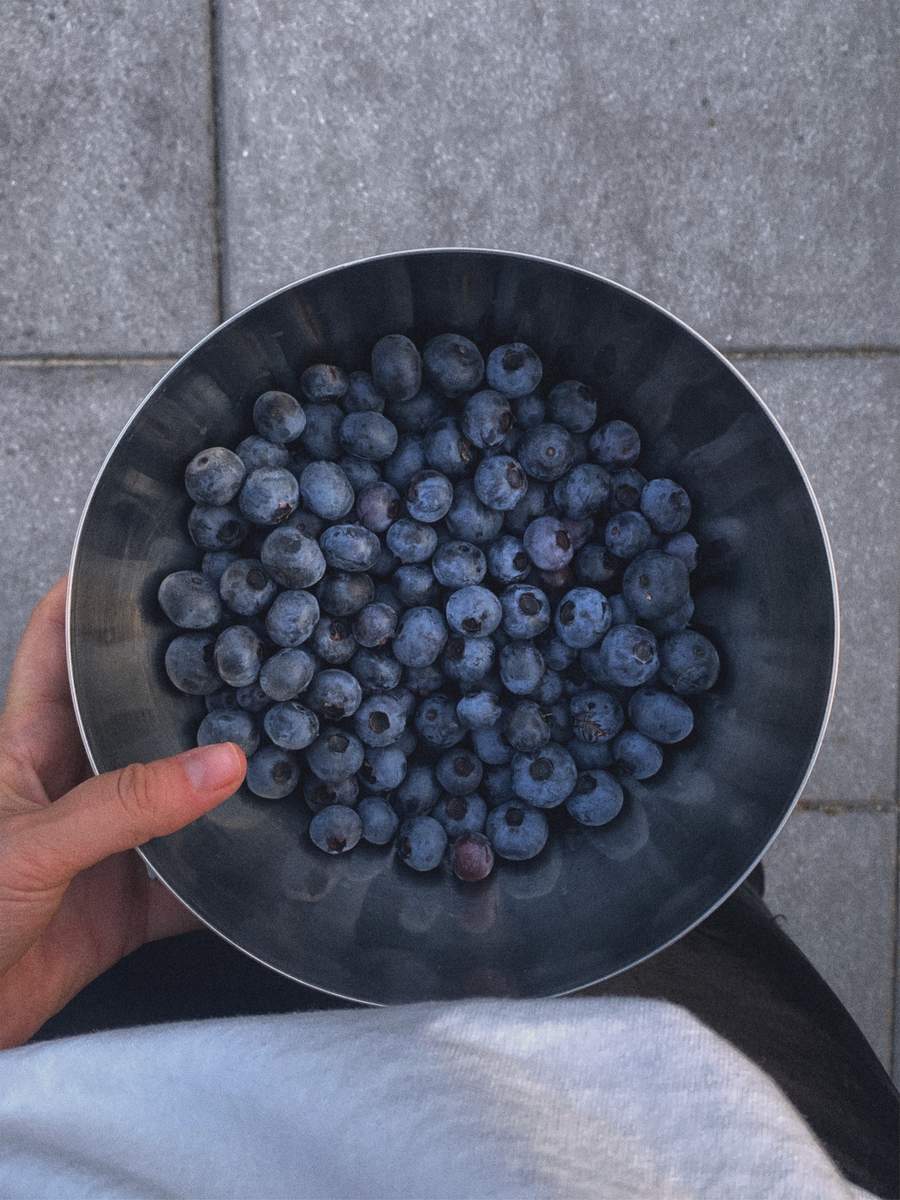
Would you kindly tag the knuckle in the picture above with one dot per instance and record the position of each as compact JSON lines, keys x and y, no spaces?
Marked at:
{"x":135,"y":792}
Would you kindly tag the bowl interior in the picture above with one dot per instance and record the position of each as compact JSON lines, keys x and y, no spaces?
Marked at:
{"x":594,"y":902}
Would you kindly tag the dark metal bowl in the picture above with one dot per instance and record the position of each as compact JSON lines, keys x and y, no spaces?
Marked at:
{"x":593,"y":903}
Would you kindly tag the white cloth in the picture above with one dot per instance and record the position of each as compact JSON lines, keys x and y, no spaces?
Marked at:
{"x":582,"y":1097}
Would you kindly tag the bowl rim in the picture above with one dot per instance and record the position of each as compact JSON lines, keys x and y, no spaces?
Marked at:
{"x":498,"y":253}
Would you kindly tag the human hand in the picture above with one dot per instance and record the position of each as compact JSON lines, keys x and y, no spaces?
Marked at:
{"x":73,"y":898}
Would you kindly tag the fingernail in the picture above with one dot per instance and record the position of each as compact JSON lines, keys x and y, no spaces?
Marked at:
{"x":210,"y":767}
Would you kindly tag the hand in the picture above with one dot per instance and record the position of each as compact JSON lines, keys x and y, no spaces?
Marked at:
{"x":73,"y":898}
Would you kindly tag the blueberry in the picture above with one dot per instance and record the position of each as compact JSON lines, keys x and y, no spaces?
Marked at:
{"x":491,"y":746}
{"x":255,"y":451}
{"x":436,"y":722}
{"x":526,"y":611}
{"x":287,"y":673}
{"x":214,"y":564}
{"x":689,"y":662}
{"x":319,"y":795}
{"x":525,"y":727}
{"x":521,"y":667}
{"x":378,"y":505}
{"x":418,"y":793}
{"x":572,"y":405}
{"x":473,"y":611}
{"x":596,"y":716}
{"x":334,"y":694}
{"x":379,"y":821}
{"x":321,"y":437}
{"x":615,"y":444}
{"x":229,"y":726}
{"x":292,"y":559}
{"x":216,"y":527}
{"x":323,"y":382}
{"x":214,"y":476}
{"x":673,"y":621}
{"x":582,"y":491}
{"x":460,"y":814}
{"x":380,"y":720}
{"x":596,"y":565}
{"x":349,"y":547}
{"x":655,"y":584}
{"x":626,"y":488}
{"x":415,"y":585}
{"x":344,"y":592}
{"x":507,"y":561}
{"x":222,"y":701}
{"x":421,"y":843}
{"x":666,"y":505}
{"x":453,"y":364}
{"x":331,"y":639}
{"x":410,"y":541}
{"x":423,"y":681}
{"x":514,"y":369}
{"x":252,"y":698}
{"x":635,"y":755}
{"x":469,"y":519}
{"x":326,"y":490}
{"x":496,"y":785}
{"x":683,"y":546}
{"x":362,"y":394}
{"x":557,"y":654}
{"x":660,"y":715}
{"x":500,"y":482}
{"x":486,"y":419}
{"x":544,"y":777}
{"x":471,"y":857}
{"x":458,"y":772}
{"x":272,"y":773}
{"x":189,"y":600}
{"x":547,"y":543}
{"x":246,"y":588}
{"x":479,"y":710}
{"x":376,"y":670}
{"x":447,"y":450}
{"x":291,"y":726}
{"x":305,"y":522}
{"x":516,"y":831}
{"x":385,"y":564}
{"x":374,"y":625}
{"x":458,"y":564}
{"x":421,"y":636}
{"x":619,"y":610}
{"x":582,"y":617}
{"x":384,"y":768}
{"x":406,"y":461}
{"x":368,"y":435}
{"x":589,"y":755}
{"x":627,"y":534}
{"x":238,"y":655}
{"x":468,"y":660}
{"x":396,"y":367}
{"x":334,"y":755}
{"x":278,"y":417}
{"x":550,"y":688}
{"x":546,"y":451}
{"x":627,"y":656}
{"x":292,"y":618}
{"x":429,"y":496}
{"x":336,"y":829}
{"x":419,"y":413}
{"x":597,"y":798}
{"x":359,"y":472}
{"x":534,"y":503}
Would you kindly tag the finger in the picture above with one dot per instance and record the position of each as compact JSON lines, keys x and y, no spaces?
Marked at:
{"x":39,"y":731}
{"x":119,"y":810}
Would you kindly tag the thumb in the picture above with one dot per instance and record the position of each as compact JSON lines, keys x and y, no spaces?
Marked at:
{"x":122,"y":809}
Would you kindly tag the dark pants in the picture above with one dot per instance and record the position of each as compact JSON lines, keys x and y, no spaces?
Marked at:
{"x":738,"y":972}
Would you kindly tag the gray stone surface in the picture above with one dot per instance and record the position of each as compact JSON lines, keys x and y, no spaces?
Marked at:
{"x":843,"y":418}
{"x":832,"y":876}
{"x":59,"y":423}
{"x":106,"y":184}
{"x":734,"y":162}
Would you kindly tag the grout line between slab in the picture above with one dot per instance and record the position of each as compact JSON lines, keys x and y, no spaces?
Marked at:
{"x":88,"y":360}
{"x":834,"y":807}
{"x":808,"y":351}
{"x":218,"y":181}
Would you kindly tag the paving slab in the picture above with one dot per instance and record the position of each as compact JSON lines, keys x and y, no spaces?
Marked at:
{"x":59,"y":423}
{"x":734,"y":162}
{"x":106,"y":243}
{"x":832,"y":878}
{"x":843,"y":418}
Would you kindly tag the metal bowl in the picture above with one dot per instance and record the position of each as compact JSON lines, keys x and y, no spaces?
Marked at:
{"x":595,"y":902}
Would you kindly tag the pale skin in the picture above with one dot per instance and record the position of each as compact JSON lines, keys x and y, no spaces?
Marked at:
{"x":74,"y":897}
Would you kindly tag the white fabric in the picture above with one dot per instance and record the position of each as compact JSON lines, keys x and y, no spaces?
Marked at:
{"x":582,"y":1097}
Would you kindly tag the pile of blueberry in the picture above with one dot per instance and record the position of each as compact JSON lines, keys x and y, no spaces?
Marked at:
{"x":440,"y":603}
